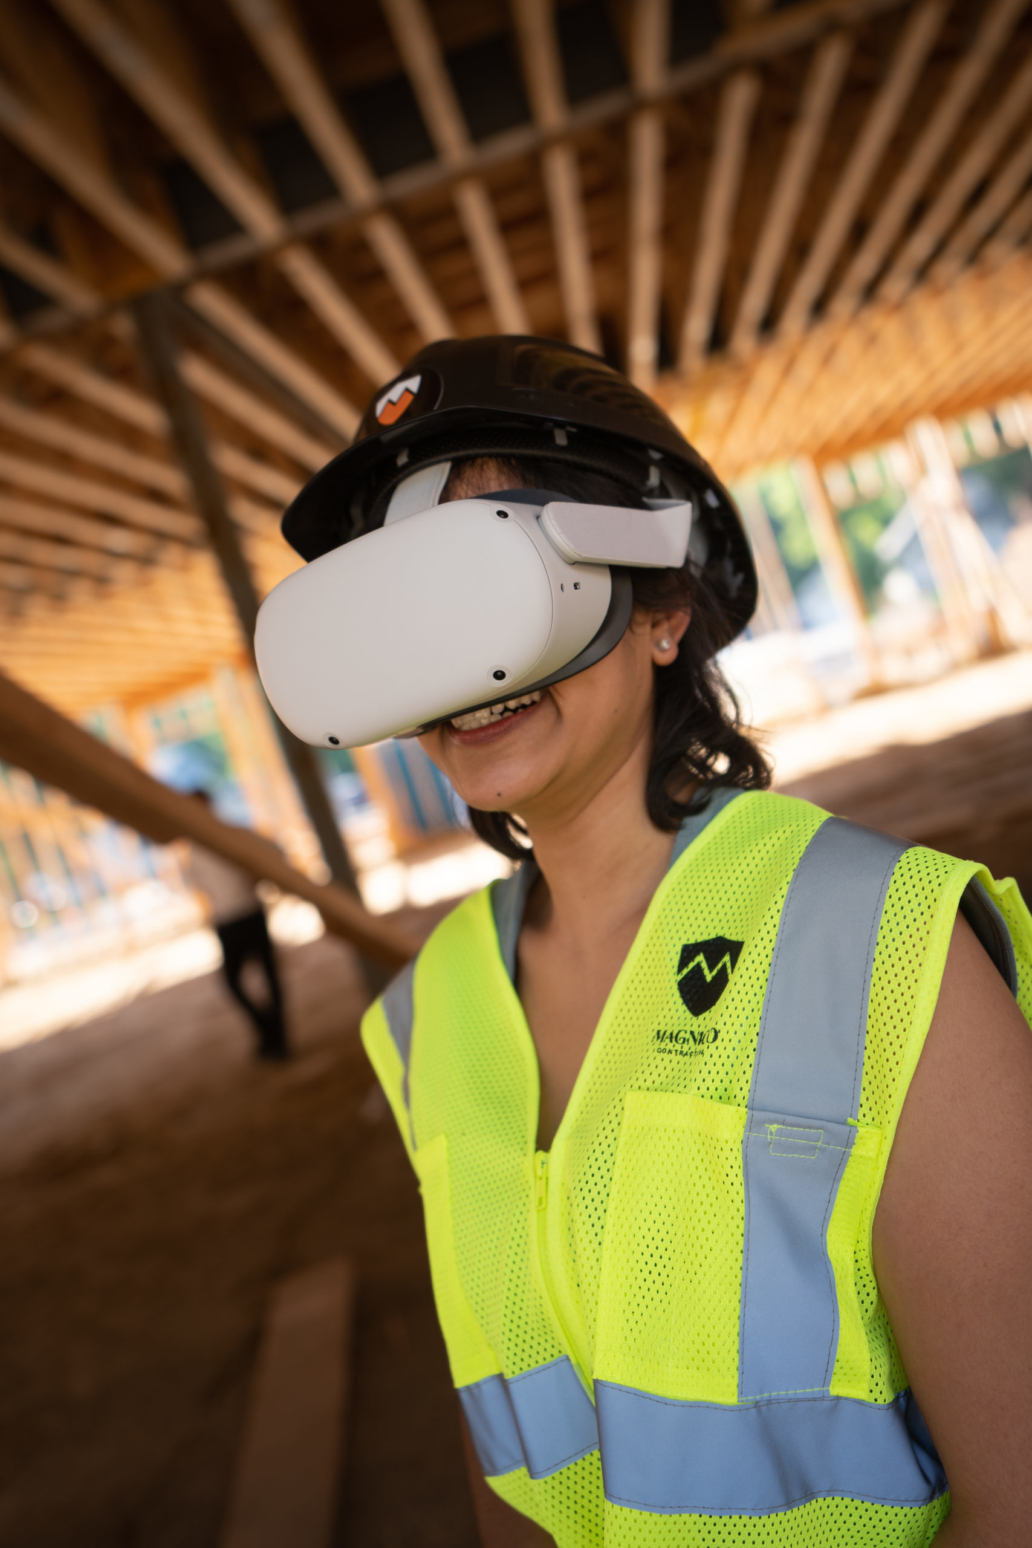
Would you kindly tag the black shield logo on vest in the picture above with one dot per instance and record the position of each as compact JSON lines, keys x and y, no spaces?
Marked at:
{"x":704,"y":971}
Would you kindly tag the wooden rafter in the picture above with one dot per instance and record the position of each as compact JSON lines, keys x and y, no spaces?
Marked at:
{"x":738,"y":99}
{"x":420,"y":51}
{"x":543,"y":77}
{"x":190,"y":129}
{"x":965,"y":177}
{"x":919,"y":33}
{"x":290,"y":62}
{"x":927,"y":151}
{"x":645,"y":154}
{"x":987,"y":213}
{"x":820,"y":91}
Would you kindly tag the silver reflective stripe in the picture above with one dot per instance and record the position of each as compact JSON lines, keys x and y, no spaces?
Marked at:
{"x":541,"y":1420}
{"x":398,"y":1008}
{"x":714,"y":1459}
{"x":806,"y":1084}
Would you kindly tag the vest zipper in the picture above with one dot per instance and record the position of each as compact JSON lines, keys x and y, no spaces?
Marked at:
{"x":541,"y":1160}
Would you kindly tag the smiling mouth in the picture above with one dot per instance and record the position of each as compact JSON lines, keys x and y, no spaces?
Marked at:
{"x":476,"y":720}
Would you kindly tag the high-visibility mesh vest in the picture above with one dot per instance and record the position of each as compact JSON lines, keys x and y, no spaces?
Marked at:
{"x":667,"y":1330}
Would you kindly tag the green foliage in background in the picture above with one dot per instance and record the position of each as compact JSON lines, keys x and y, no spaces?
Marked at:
{"x":781,"y":500}
{"x":862,"y":526}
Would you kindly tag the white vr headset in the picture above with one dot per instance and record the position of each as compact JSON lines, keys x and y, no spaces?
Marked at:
{"x":447,"y":608}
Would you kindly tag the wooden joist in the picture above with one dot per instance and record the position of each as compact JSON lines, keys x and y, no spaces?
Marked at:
{"x":289,"y":60}
{"x":543,"y":78}
{"x":738,"y":99}
{"x":419,"y":47}
{"x":820,"y":91}
{"x":917,"y":38}
{"x":927,"y":151}
{"x":964,"y":178}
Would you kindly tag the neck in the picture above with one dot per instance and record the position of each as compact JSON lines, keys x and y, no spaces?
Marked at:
{"x":602,"y":862}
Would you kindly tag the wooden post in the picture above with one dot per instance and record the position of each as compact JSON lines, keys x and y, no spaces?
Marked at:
{"x":835,"y":561}
{"x":158,"y":346}
{"x":776,"y":607}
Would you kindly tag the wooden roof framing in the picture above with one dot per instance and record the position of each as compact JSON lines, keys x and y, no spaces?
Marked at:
{"x":801,"y":227}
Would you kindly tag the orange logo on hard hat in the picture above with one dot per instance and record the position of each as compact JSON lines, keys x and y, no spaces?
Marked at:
{"x":394,"y":402}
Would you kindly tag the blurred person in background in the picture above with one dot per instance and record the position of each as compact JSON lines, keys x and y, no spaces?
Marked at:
{"x":236,"y":915}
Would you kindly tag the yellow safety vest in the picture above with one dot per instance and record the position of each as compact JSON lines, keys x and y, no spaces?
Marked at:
{"x":667,"y":1330}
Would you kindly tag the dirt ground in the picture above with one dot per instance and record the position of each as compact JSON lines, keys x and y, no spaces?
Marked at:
{"x":154,"y":1182}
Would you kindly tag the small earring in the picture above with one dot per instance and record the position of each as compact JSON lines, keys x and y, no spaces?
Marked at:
{"x":663,"y":644}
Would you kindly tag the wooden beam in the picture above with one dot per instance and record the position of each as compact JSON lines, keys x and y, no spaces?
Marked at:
{"x":836,"y":563}
{"x":650,"y":47}
{"x":54,"y":521}
{"x":47,"y":274}
{"x":74,"y":169}
{"x":56,"y":751}
{"x":289,"y":1468}
{"x":190,"y":129}
{"x":277,"y":38}
{"x":738,"y":99}
{"x":53,"y":151}
{"x":987,"y":213}
{"x":966,"y":175}
{"x":420,"y":51}
{"x":929,"y":148}
{"x":820,"y":93}
{"x":918,"y":35}
{"x":225,"y":313}
{"x":136,"y":408}
{"x":64,"y":436}
{"x":543,"y":78}
{"x":68,"y":558}
{"x":105,"y":499}
{"x":225,"y":392}
{"x":159,"y":349}
{"x":795,"y":27}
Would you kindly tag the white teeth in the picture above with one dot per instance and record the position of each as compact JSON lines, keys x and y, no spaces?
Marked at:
{"x":476,"y":719}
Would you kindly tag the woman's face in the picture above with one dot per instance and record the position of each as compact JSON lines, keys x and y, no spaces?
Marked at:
{"x":547,"y":759}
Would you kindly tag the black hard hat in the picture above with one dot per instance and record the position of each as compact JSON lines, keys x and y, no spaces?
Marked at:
{"x":510,"y":395}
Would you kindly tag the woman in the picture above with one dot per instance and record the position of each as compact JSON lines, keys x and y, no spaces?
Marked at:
{"x":721,"y":1109}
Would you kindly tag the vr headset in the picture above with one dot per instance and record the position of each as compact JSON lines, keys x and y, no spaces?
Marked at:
{"x":449,"y":608}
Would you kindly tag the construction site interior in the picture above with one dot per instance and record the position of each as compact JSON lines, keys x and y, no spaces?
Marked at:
{"x":803,"y":227}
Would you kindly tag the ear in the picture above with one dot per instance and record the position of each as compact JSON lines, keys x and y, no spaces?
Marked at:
{"x":667,"y":629}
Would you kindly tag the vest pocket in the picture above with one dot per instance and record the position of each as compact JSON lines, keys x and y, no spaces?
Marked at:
{"x":470,"y":1356}
{"x":670,"y":1286}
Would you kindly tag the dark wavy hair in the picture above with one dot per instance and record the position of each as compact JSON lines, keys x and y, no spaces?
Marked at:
{"x":698,"y":734}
